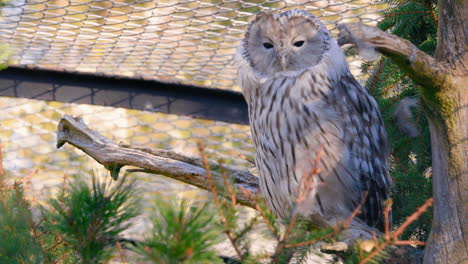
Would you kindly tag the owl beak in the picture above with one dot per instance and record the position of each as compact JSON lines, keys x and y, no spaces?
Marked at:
{"x":283,"y":59}
{"x":283,"y":62}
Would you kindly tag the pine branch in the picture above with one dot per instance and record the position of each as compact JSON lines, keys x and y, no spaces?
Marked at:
{"x":392,"y":238}
{"x":407,"y":12}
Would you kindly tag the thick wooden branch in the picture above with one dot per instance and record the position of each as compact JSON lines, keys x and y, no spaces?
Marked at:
{"x":168,"y":163}
{"x":421,"y":67}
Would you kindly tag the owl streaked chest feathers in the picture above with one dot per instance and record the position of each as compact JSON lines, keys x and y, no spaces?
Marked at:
{"x":302,"y":99}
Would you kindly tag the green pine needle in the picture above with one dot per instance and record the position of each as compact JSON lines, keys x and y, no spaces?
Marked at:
{"x":182,"y":233}
{"x":91,"y":217}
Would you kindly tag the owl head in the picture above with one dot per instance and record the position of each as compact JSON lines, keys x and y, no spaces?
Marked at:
{"x":287,"y":42}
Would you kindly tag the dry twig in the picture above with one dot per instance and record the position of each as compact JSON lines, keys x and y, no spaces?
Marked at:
{"x":391,"y":238}
{"x":305,"y":186}
{"x":227,"y":231}
{"x":227,"y":184}
{"x":121,"y":253}
{"x":247,"y":159}
{"x":336,"y":229}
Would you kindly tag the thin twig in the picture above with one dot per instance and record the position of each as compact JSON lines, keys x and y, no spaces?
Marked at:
{"x":246,"y":228}
{"x":377,"y":76}
{"x":393,"y":101}
{"x":227,"y":184}
{"x":216,"y":199}
{"x":336,"y":229}
{"x":406,"y":12}
{"x":392,"y":238}
{"x":410,"y":219}
{"x":26,"y":181}
{"x":313,"y":241}
{"x":356,"y":211}
{"x":28,"y":177}
{"x":265,"y":219}
{"x":60,"y":241}
{"x":303,"y":190}
{"x":234,"y":245}
{"x":211,"y":181}
{"x":61,"y":258}
{"x":247,"y":159}
{"x":374,"y":253}
{"x":306,"y":182}
{"x":410,"y":242}
{"x":248,"y":194}
{"x":428,"y":7}
{"x":386,"y":212}
{"x":121,"y":253}
{"x":291,"y":225}
{"x":399,"y":163}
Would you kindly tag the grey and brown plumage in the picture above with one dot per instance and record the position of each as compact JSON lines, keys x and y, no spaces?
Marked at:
{"x":302,"y":98}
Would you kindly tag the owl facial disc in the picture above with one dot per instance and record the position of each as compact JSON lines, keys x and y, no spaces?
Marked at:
{"x":287,"y":42}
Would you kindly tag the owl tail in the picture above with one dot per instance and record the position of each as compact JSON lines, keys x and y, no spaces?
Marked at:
{"x":404,"y":116}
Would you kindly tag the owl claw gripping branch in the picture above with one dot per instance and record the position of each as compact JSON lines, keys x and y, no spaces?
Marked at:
{"x":302,"y":98}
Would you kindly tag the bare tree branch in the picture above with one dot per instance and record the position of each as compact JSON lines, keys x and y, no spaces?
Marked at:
{"x":114,"y":156}
{"x":421,"y":67}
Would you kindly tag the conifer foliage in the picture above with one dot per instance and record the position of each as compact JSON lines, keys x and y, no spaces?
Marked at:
{"x":410,"y":158}
{"x":90,"y":217}
{"x":182,"y":233}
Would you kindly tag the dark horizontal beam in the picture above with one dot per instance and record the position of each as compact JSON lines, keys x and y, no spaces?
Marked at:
{"x":172,"y":98}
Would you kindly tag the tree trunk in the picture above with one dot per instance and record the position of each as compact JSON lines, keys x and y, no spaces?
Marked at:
{"x":443,"y":84}
{"x":448,"y":240}
{"x":447,"y":113}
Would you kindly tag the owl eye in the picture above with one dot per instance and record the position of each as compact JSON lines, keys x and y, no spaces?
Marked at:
{"x":298,"y":43}
{"x":267,"y":45}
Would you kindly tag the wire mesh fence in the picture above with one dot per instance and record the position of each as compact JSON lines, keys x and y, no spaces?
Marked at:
{"x":172,"y":40}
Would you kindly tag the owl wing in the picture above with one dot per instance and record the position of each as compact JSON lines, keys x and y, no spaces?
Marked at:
{"x":366,"y":139}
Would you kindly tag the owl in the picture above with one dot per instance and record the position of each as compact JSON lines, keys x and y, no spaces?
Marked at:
{"x":303,"y":100}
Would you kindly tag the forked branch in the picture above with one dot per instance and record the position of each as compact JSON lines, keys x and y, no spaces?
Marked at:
{"x":183,"y":168}
{"x":421,"y":67}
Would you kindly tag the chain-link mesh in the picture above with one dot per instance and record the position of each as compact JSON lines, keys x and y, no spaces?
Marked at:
{"x":189,"y":41}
